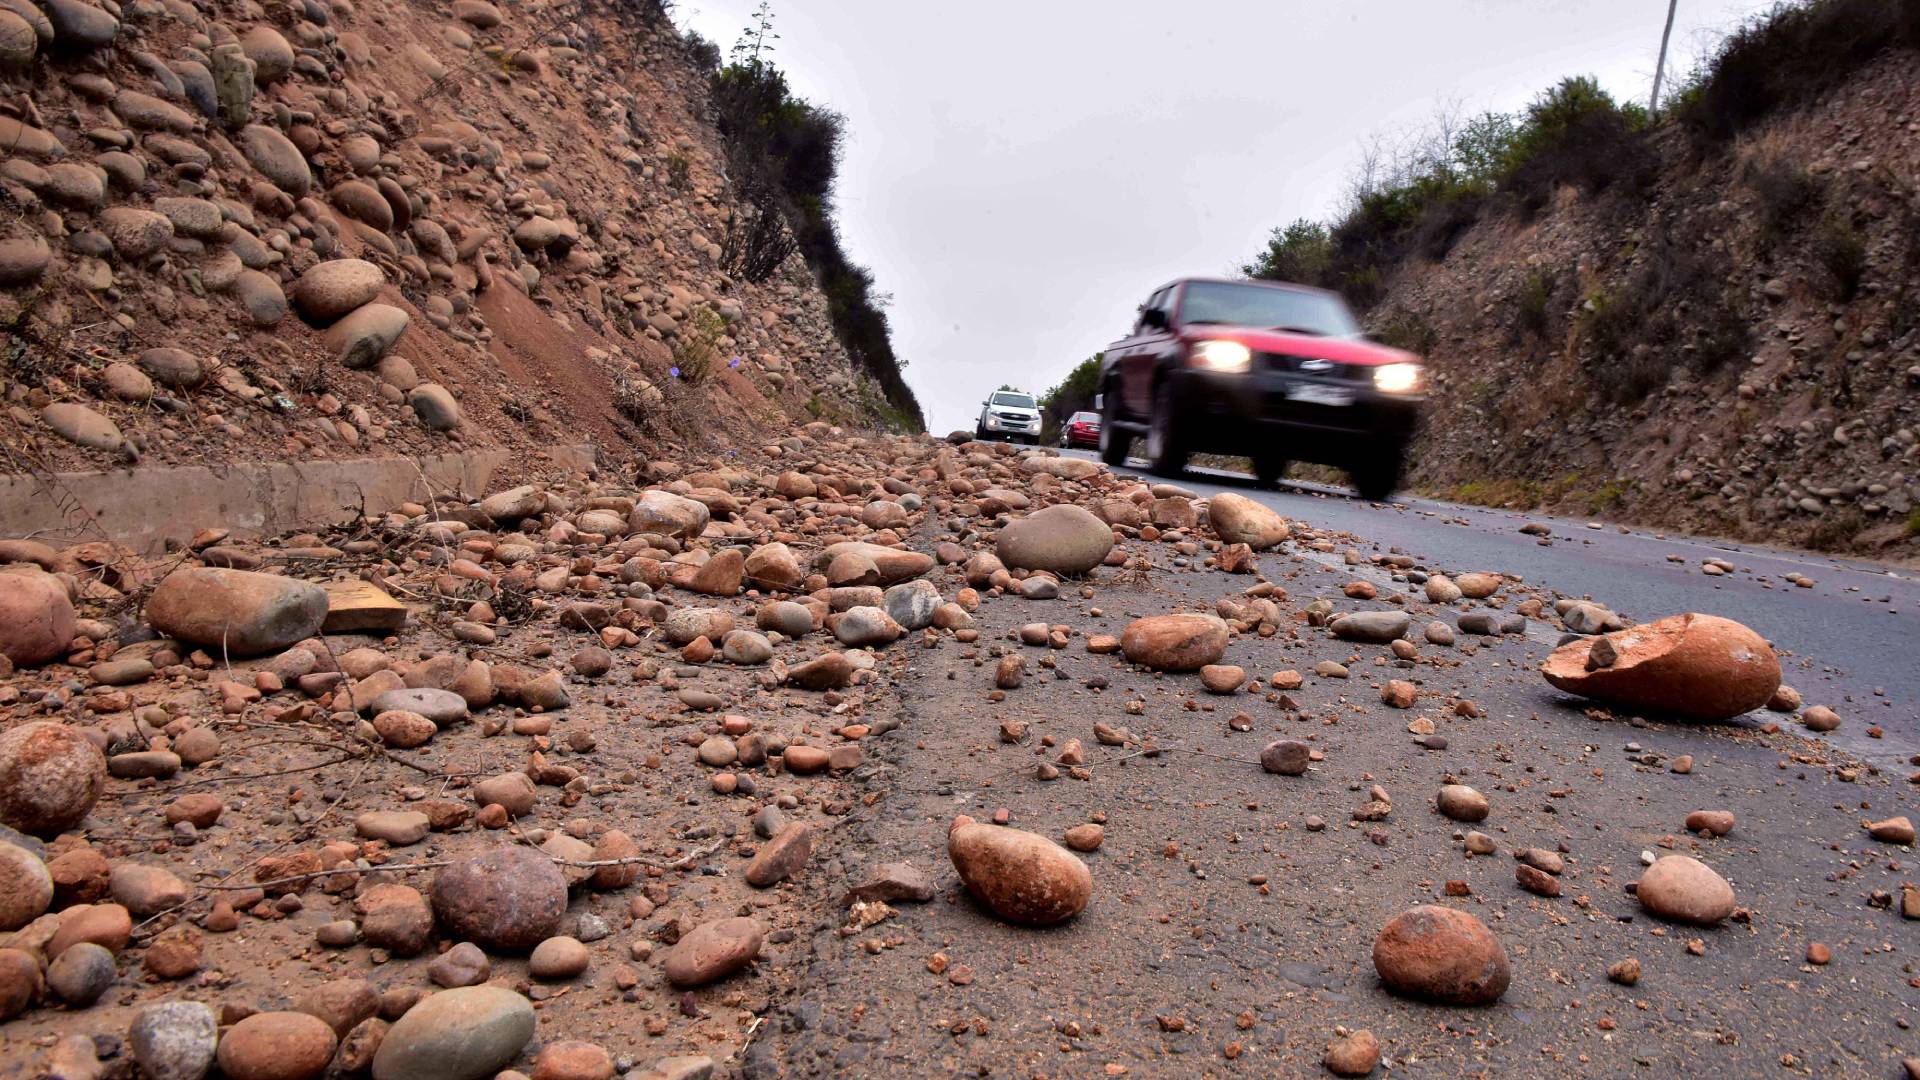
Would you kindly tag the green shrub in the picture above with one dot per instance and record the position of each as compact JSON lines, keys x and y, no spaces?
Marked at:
{"x":1301,"y":253}
{"x":1577,"y":134}
{"x":698,"y":345}
{"x":779,"y":142}
{"x":1675,"y":304}
{"x":1074,"y":393}
{"x":1913,"y":524}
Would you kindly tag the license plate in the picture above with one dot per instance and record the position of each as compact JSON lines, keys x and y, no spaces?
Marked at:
{"x":1320,"y":395}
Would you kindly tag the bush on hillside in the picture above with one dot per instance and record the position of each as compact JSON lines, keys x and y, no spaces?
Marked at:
{"x":1576,"y":134}
{"x":780,"y":143}
{"x":1674,"y":309}
{"x":1789,"y":57}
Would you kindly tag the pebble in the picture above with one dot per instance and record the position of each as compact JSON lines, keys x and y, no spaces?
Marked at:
{"x":1461,"y":803}
{"x":1352,"y":1053}
{"x":558,"y":958}
{"x":81,"y":973}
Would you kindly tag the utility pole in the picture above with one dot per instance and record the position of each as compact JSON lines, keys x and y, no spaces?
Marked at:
{"x":1660,"y":68}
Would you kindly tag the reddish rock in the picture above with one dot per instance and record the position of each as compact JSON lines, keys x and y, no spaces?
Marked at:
{"x":573,"y":1060}
{"x":1695,"y":666}
{"x":1178,"y":642}
{"x":1442,"y":955}
{"x":781,"y":856}
{"x":1352,"y":1053}
{"x":510,"y":899}
{"x":1240,"y":520}
{"x":1682,"y":889}
{"x":713,"y":951}
{"x":240,"y":612}
{"x":1022,"y":877}
{"x":1222,"y":678}
{"x":830,"y":671}
{"x":36,"y":617}
{"x":276,"y":1046}
{"x":50,"y":777}
{"x":106,"y":925}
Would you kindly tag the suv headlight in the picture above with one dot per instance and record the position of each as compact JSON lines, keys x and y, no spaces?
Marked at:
{"x":1220,"y":356}
{"x":1400,"y":378}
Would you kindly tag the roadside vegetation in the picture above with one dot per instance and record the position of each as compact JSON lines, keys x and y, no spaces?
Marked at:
{"x":1074,"y":393}
{"x":783,"y":159}
{"x":1411,"y":198}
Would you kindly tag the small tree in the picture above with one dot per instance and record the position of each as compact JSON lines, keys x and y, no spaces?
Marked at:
{"x":757,"y":39}
{"x":1300,"y":252}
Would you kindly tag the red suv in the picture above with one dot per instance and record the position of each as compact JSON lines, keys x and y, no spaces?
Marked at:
{"x":1275,"y":372}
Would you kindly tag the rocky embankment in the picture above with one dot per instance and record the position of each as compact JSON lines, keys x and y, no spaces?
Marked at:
{"x":421,"y":796}
{"x":309,"y":230}
{"x":1730,"y":352}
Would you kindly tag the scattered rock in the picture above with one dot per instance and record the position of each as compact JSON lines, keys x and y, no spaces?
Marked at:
{"x":1442,"y":955}
{"x":241,"y":612}
{"x":713,"y":951}
{"x":50,"y":777}
{"x":510,"y":899}
{"x":1179,"y":642}
{"x":463,"y":1034}
{"x":1021,"y":876}
{"x":1695,"y":666}
{"x":1682,"y":889}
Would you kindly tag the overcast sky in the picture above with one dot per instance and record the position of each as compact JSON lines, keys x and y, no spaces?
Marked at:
{"x":1019,"y":176}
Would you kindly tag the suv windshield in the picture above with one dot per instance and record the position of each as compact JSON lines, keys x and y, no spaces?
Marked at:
{"x":1017,"y":401}
{"x":1295,"y":310}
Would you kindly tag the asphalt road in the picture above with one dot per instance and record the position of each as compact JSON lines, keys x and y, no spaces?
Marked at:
{"x":1854,"y":637}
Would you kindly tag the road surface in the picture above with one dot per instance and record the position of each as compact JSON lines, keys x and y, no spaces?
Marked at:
{"x":1854,"y":637}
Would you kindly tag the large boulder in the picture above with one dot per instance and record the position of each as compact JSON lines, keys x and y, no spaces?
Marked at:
{"x":50,"y":777}
{"x":1682,"y":889}
{"x":1063,"y":539}
{"x":462,"y":1034}
{"x":510,"y":899}
{"x":240,"y":612}
{"x":1240,"y":520}
{"x":1441,"y":954}
{"x":1023,"y":877}
{"x":333,"y":288}
{"x":36,"y":617}
{"x":1698,"y":667}
{"x":666,"y":514}
{"x":1180,"y":642}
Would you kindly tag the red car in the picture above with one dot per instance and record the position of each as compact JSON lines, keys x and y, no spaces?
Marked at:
{"x":1081,"y":429}
{"x":1275,"y":372}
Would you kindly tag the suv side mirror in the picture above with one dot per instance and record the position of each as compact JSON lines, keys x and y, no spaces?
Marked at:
{"x":1154,"y":318}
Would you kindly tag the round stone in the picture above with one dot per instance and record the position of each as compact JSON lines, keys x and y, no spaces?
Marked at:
{"x":1683,"y":889}
{"x":713,"y":951}
{"x":558,"y":958}
{"x":1061,"y":539}
{"x":26,"y":888}
{"x":1180,"y":642}
{"x":462,"y":1034}
{"x":510,"y":899}
{"x":1022,"y":876}
{"x":1287,"y":757}
{"x":1461,"y":803}
{"x":174,"y":1040}
{"x":276,"y":1046}
{"x":50,"y":777}
{"x":80,"y":974}
{"x":331,"y":289}
{"x":1442,"y":955}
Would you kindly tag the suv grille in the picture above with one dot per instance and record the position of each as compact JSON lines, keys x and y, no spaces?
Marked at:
{"x":1339,"y":372}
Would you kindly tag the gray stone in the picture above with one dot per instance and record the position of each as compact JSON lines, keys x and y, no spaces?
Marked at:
{"x":1377,"y":627}
{"x":278,"y":160}
{"x":462,"y":1034}
{"x":81,"y":973}
{"x":81,"y":425}
{"x":435,"y":406}
{"x":261,"y":296}
{"x":174,"y":1040}
{"x":80,"y":25}
{"x":912,"y":603}
{"x":443,"y":707}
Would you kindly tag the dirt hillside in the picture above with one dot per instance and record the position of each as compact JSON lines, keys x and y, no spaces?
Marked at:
{"x":1732,"y":351}
{"x":535,"y":192}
